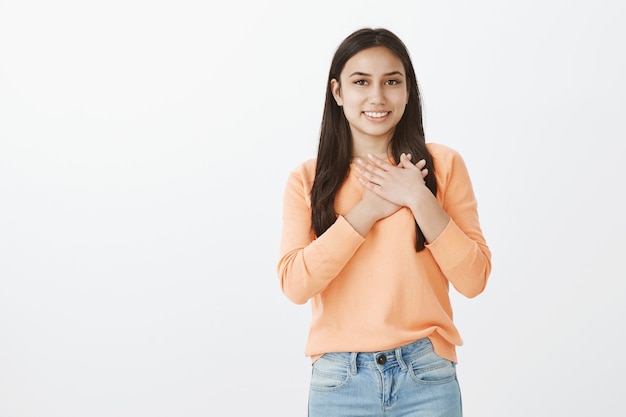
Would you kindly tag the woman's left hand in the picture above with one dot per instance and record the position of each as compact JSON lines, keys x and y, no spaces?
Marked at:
{"x":400,"y":184}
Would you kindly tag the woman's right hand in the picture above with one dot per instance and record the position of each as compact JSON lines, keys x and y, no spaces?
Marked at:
{"x":368,"y":211}
{"x":373,"y":207}
{"x":380,"y":206}
{"x":377,"y":206}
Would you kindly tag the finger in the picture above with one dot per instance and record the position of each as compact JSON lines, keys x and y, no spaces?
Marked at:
{"x":421,"y":164}
{"x":384,"y":165}
{"x":424,"y":172}
{"x":359,"y":161}
{"x":373,"y":171}
{"x":405,"y":161}
{"x":372,"y":186}
{"x":365,"y":173}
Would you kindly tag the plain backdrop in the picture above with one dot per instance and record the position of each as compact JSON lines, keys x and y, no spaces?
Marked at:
{"x":144,"y":147}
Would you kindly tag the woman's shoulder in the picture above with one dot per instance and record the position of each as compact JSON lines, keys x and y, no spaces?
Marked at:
{"x":305,"y":171}
{"x":307,"y":166}
{"x":444,"y":156}
{"x":449,"y":164}
{"x":441,"y":151}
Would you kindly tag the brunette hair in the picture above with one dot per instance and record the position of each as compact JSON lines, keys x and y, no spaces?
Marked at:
{"x":334,"y":153}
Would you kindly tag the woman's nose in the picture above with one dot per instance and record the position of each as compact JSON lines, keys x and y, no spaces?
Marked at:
{"x":376,"y":95}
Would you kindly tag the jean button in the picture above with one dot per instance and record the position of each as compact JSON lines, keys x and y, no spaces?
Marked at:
{"x":381,"y":360}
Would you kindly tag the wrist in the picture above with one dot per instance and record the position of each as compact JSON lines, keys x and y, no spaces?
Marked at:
{"x":361,"y":218}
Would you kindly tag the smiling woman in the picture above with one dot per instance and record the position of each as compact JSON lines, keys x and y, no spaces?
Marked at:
{"x":372,"y":90}
{"x":375,"y":229}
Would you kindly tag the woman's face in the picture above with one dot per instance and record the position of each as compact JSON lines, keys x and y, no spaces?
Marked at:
{"x":373,"y":92}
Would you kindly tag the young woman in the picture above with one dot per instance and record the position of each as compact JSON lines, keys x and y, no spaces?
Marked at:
{"x":375,"y":229}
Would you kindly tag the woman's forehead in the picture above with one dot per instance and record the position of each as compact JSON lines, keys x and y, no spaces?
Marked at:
{"x":373,"y":61}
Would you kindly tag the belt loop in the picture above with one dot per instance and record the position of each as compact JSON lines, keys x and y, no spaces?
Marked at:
{"x":400,"y":359}
{"x":353,"y":363}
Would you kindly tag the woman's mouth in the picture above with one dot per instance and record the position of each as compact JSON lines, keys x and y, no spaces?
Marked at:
{"x":376,"y":114}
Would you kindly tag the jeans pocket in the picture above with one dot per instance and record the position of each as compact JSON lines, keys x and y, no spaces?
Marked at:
{"x":432,"y":369}
{"x":328,"y":374}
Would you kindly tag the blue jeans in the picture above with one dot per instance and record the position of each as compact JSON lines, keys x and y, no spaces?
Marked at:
{"x":411,"y":380}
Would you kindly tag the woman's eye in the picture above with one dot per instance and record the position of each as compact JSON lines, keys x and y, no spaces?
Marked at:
{"x":360,"y":82}
{"x":393,"y":82}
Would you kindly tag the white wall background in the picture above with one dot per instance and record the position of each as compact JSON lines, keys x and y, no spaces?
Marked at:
{"x":144,"y":147}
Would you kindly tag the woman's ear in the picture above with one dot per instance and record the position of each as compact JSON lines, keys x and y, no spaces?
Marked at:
{"x":335,"y":88}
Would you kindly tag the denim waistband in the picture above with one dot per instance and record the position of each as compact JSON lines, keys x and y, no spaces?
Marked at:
{"x":383,"y":359}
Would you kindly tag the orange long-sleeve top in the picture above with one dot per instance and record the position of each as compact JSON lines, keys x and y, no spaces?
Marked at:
{"x":377,"y":292}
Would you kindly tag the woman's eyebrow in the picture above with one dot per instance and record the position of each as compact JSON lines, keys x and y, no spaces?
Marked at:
{"x":363,"y":74}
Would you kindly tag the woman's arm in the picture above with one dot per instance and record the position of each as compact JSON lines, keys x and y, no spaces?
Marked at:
{"x":449,"y":221}
{"x":307,"y":264}
{"x":460,"y":250}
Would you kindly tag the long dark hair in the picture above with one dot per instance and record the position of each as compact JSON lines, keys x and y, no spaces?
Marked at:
{"x":334,"y":153}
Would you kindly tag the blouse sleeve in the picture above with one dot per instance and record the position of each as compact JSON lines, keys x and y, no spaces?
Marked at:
{"x":460,"y":250}
{"x":307,"y":264}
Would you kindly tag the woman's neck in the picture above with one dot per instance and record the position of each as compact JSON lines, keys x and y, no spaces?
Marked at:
{"x":361,"y":150}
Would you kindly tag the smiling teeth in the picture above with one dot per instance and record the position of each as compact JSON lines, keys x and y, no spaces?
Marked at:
{"x":376,"y":114}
